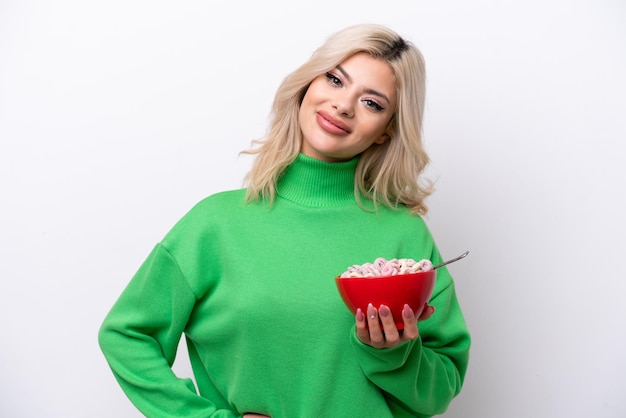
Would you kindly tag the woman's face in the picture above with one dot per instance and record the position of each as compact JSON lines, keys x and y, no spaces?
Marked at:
{"x":347,"y":109}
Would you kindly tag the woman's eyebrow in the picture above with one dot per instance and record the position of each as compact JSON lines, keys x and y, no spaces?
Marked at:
{"x":345,"y":74}
{"x":368,"y":91}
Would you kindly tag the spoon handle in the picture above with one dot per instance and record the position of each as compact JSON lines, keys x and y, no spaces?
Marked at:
{"x":451,"y":261}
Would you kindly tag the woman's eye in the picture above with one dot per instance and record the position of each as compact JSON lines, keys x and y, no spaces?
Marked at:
{"x":372,"y":104}
{"x":332,"y":79}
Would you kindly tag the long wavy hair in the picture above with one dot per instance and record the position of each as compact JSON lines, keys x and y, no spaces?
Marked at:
{"x":388,"y":173}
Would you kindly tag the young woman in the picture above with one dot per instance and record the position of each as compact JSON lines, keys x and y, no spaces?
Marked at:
{"x":248,"y":275}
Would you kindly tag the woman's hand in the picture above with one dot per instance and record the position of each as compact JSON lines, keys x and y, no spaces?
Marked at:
{"x":377,"y":328}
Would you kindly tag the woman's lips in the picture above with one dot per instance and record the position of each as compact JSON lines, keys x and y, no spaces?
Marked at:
{"x":332,"y":125}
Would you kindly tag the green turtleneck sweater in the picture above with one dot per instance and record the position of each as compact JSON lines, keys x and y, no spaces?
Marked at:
{"x":251,"y":286}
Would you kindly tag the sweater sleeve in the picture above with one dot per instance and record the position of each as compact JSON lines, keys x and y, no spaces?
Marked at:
{"x":140,"y":335}
{"x":421,"y":377}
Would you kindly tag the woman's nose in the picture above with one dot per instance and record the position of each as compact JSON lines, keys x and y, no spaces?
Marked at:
{"x":344,"y":107}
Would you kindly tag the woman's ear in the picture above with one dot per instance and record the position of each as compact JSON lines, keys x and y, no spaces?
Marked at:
{"x":382,"y":139}
{"x":389,"y":131}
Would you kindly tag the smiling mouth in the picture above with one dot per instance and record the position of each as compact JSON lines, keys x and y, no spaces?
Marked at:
{"x":332,"y":125}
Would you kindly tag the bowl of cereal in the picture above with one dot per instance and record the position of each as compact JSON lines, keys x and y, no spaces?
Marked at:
{"x":393,"y":283}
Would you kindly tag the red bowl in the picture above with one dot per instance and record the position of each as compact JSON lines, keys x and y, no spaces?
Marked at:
{"x":413,"y":289}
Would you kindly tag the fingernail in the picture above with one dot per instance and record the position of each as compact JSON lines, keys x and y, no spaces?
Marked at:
{"x":384,"y":311}
{"x":371,"y":311}
{"x":359,"y":315}
{"x":407,"y":311}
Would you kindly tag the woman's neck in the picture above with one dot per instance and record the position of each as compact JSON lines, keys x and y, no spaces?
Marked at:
{"x":312,"y":182}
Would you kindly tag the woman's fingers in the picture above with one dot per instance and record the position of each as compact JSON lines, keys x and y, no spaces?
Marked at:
{"x":377,"y":328}
{"x":392,"y":336}
{"x":427,"y":312}
{"x":361,"y":327}
{"x":410,"y":323}
{"x":377,"y":339}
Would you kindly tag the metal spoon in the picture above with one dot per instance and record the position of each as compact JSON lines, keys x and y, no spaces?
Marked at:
{"x":451,"y":261}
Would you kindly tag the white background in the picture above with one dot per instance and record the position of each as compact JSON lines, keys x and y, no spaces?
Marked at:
{"x":117,"y":116}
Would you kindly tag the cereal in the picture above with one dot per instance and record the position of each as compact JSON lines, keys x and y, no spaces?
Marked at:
{"x":383,"y":267}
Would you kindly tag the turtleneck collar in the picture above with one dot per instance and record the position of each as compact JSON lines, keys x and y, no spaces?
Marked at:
{"x":312,"y":182}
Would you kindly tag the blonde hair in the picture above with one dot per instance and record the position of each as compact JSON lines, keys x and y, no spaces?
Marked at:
{"x":387,"y":173}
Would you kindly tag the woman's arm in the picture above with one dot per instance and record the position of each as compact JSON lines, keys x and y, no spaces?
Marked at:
{"x":140,"y":335}
{"x":419,"y":374}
